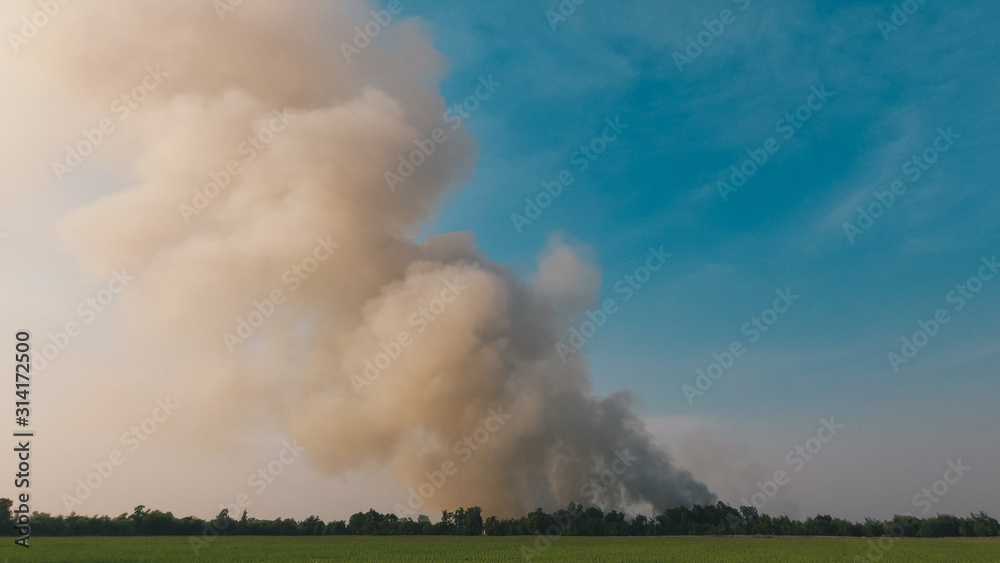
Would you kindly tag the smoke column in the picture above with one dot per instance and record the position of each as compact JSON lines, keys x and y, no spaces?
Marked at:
{"x":311,"y":216}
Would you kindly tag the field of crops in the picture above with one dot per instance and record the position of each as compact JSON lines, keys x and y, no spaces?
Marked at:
{"x":512,"y":549}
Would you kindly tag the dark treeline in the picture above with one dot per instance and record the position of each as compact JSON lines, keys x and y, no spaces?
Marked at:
{"x":718,"y":519}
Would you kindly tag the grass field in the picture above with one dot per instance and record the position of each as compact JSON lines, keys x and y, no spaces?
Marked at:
{"x":436,"y":549}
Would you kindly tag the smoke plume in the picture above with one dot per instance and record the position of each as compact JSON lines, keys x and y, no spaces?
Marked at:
{"x":291,"y":287}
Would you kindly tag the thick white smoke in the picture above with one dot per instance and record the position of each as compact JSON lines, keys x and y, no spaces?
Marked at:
{"x":372,"y":348}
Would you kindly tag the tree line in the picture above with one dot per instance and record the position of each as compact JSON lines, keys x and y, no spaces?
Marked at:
{"x":575,"y":520}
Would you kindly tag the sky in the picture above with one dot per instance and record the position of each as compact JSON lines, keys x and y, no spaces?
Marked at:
{"x":892,"y":91}
{"x":868,"y":216}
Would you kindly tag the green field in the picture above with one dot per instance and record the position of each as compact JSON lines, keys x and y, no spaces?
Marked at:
{"x":435,"y":549}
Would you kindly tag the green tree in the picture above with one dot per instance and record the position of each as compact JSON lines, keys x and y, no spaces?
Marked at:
{"x":137,"y":516}
{"x":984,"y":526}
{"x":222,"y":523}
{"x":6,"y":516}
{"x":469,"y":521}
{"x":311,"y":526}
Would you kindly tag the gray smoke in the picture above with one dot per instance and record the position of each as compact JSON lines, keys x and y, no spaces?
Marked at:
{"x":381,"y":350}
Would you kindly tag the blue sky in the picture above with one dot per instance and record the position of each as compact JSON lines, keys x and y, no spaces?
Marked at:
{"x":784,"y":229}
{"x":879,"y":96}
